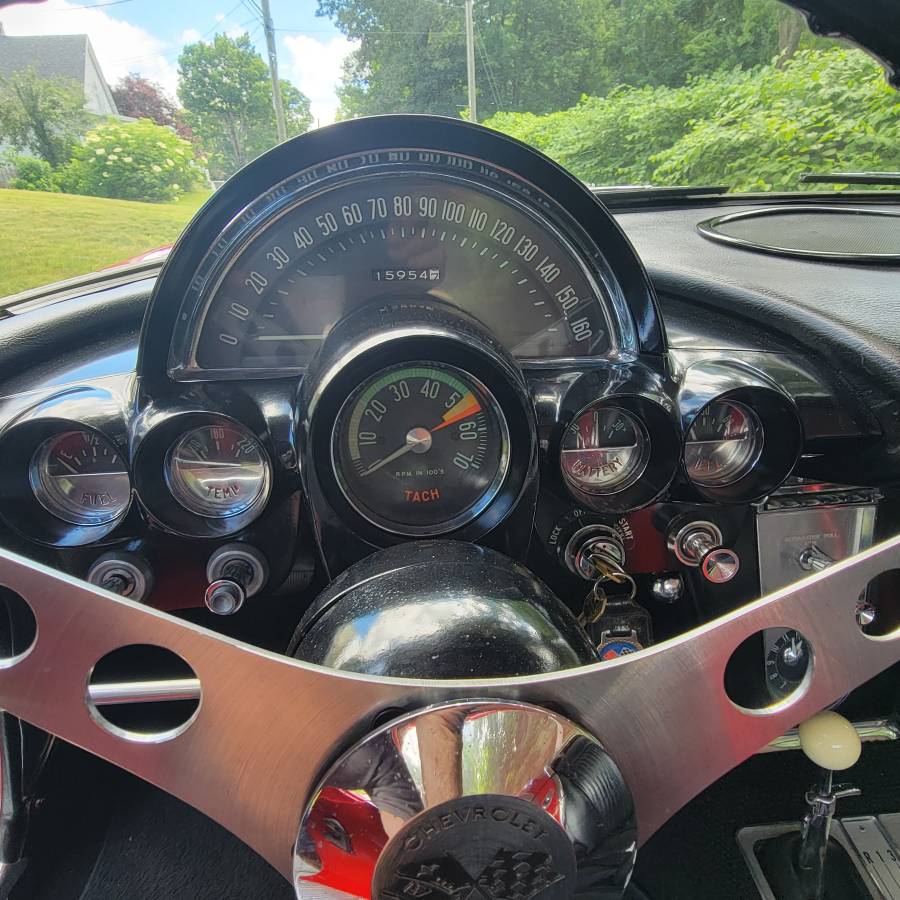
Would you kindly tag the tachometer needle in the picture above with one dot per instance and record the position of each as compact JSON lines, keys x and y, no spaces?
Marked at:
{"x":468,"y":406}
{"x":415,"y":438}
{"x":419,"y":439}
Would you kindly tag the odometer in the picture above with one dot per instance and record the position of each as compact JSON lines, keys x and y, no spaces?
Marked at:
{"x":420,"y":449}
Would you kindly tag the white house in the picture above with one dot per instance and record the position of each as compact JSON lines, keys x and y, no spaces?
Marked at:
{"x":53,"y":55}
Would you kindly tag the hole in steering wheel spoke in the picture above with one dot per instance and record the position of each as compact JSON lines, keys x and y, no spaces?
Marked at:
{"x":143,"y":693}
{"x":18,"y":628}
{"x":769,"y":670}
{"x":878,"y":610}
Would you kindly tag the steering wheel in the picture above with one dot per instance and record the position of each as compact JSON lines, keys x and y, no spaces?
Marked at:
{"x":519,"y":785}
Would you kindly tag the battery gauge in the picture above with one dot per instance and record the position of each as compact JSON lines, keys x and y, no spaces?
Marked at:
{"x":604,"y":450}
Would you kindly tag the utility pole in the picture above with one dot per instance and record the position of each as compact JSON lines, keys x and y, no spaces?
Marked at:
{"x":280,"y":126}
{"x":470,"y":58}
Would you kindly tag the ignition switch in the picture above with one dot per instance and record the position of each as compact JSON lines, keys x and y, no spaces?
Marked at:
{"x":591,"y":545}
{"x":235,"y":572}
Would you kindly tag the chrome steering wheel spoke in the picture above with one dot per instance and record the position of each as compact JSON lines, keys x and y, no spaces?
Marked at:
{"x":267,"y":726}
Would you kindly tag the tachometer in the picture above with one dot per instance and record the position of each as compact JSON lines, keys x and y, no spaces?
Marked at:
{"x":420,"y":449}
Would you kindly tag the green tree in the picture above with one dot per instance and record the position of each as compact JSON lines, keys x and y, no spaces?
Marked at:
{"x":535,"y":55}
{"x":45,"y":116}
{"x":543,"y":55}
{"x":225,"y":89}
{"x":749,"y":130}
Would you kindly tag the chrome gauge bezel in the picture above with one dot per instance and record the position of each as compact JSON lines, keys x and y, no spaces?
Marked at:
{"x":465,"y":517}
{"x":659,"y":463}
{"x":746,"y":464}
{"x":53,"y":497}
{"x":84,"y":408}
{"x":452,"y":148}
{"x":296,"y":191}
{"x":181,"y":490}
{"x":779,"y":425}
{"x":151,"y":474}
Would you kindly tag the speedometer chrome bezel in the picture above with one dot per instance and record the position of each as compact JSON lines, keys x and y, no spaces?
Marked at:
{"x":281,"y":201}
{"x":473,"y":511}
{"x":271,"y":184}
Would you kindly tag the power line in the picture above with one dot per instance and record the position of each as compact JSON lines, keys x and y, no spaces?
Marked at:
{"x":92,"y":6}
{"x":488,"y":69}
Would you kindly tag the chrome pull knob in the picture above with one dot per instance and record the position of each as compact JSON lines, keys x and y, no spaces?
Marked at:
{"x":719,"y":565}
{"x":813,"y":559}
{"x":699,"y":545}
{"x":224,"y":597}
{"x":235,"y":572}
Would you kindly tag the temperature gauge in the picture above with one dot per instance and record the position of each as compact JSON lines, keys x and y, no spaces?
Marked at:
{"x":604,"y":450}
{"x":81,"y":478}
{"x":723,"y":444}
{"x":218,"y":471}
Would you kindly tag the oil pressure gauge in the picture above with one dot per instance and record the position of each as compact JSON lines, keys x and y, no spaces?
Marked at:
{"x":604,"y":450}
{"x":723,"y":444}
{"x":218,"y":471}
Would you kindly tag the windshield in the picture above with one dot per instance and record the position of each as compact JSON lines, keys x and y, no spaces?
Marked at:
{"x":118,"y":118}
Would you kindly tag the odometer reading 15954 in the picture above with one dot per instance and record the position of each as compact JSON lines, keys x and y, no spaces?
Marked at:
{"x":420,"y":449}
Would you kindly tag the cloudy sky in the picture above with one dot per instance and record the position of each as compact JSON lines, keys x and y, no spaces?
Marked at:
{"x":146,"y":36}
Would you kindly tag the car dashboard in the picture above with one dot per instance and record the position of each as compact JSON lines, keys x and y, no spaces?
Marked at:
{"x":426,"y":330}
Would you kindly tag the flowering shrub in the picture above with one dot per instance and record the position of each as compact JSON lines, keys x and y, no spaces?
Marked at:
{"x":131,"y":161}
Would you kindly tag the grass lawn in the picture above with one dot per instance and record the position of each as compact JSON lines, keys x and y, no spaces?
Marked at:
{"x":45,"y":237}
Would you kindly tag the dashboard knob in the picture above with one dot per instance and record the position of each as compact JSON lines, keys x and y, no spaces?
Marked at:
{"x":813,"y":559}
{"x":235,"y":572}
{"x":719,"y":565}
{"x":123,"y":573}
{"x":224,"y":597}
{"x":699,"y":545}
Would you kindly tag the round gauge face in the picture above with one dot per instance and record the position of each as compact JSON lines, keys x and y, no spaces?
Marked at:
{"x":396,"y":237}
{"x":218,"y":471}
{"x":604,"y":450}
{"x":723,"y":444}
{"x":420,"y":449}
{"x":81,"y":478}
{"x":786,"y":663}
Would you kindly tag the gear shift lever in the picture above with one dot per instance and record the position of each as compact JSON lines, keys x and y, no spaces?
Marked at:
{"x":832,"y":743}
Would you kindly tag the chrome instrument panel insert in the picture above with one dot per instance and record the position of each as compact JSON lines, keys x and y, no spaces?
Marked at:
{"x":261,"y":706}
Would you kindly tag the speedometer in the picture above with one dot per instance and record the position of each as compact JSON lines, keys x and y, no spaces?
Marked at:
{"x":379,"y":239}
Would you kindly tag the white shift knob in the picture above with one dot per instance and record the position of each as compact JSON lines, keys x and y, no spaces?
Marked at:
{"x":830,"y":741}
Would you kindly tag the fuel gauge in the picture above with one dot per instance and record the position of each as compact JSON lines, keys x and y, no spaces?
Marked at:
{"x":604,"y":450}
{"x":81,"y":478}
